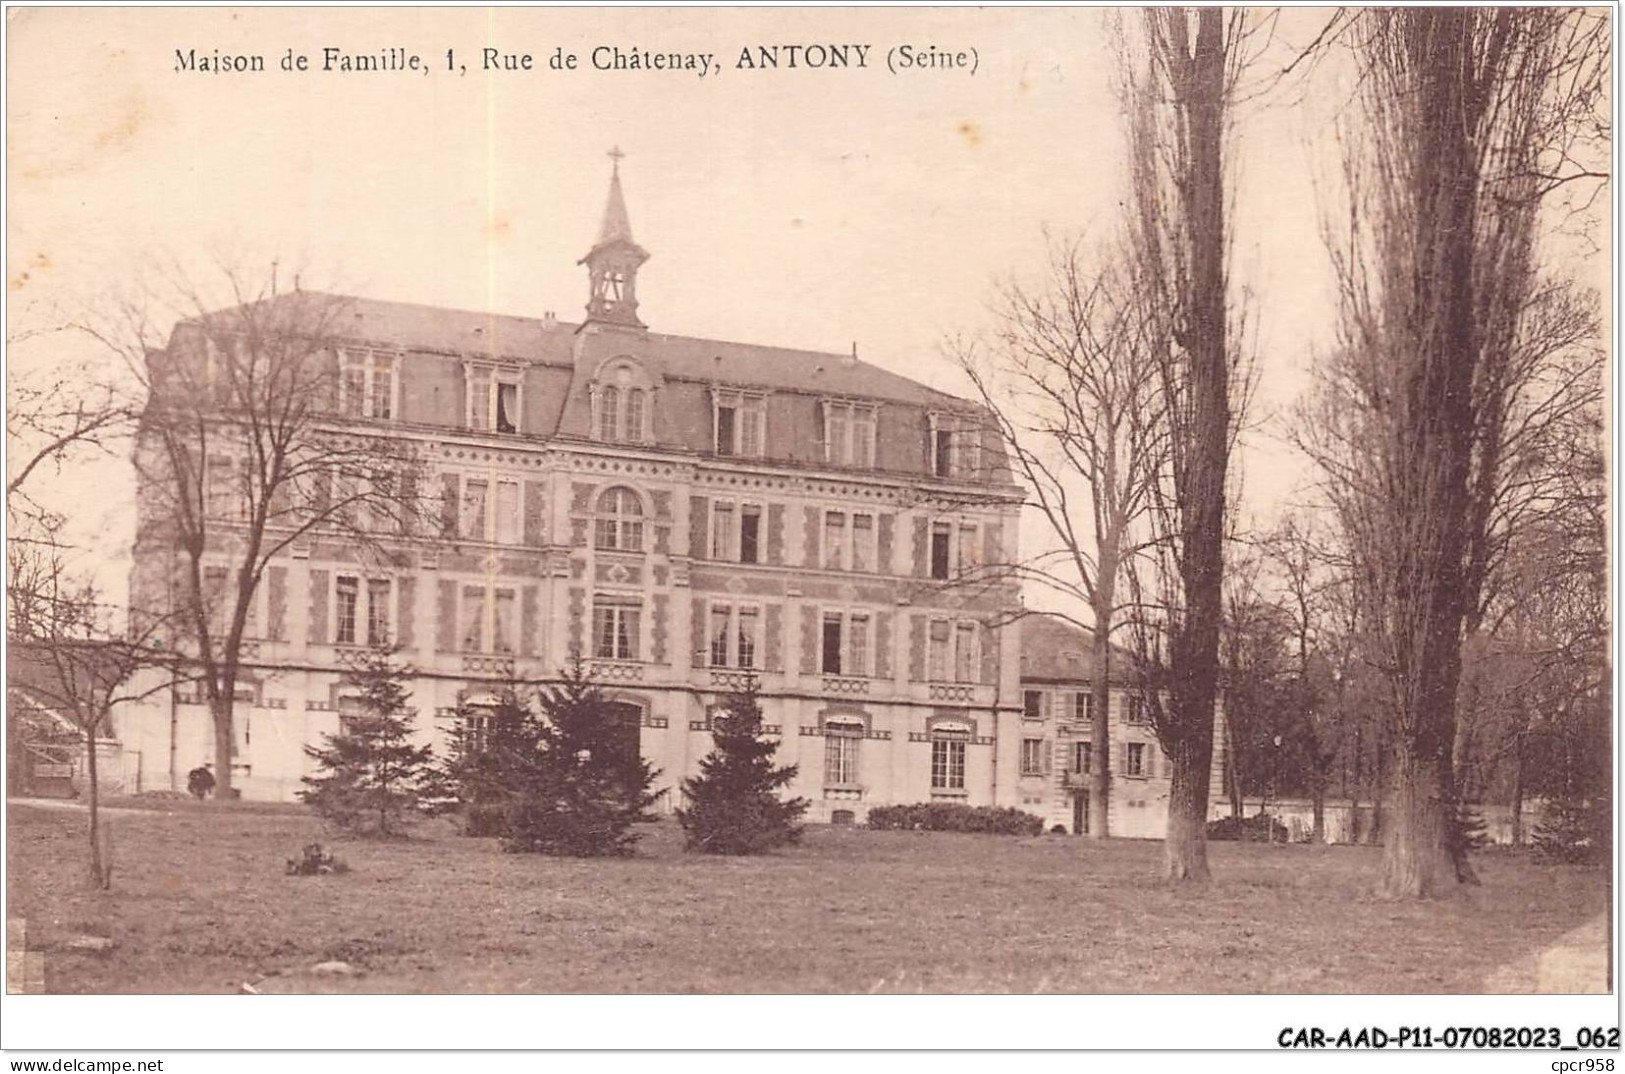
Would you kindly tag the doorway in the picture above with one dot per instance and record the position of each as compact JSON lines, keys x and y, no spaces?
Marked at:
{"x":1080,"y":812}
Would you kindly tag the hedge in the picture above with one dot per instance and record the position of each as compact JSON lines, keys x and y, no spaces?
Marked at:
{"x":954,"y":817}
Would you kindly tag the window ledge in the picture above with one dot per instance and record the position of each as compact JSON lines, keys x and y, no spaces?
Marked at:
{"x":940,"y":792}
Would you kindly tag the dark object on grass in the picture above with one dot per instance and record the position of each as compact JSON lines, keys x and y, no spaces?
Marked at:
{"x":1258,"y":828}
{"x":954,"y":817}
{"x":734,"y":804}
{"x":316,"y":860}
{"x":200,"y":782}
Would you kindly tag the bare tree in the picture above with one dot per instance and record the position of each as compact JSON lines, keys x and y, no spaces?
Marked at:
{"x":240,"y":453}
{"x":1071,"y":385}
{"x":72,"y":656}
{"x":1465,"y":114}
{"x":1180,"y":80}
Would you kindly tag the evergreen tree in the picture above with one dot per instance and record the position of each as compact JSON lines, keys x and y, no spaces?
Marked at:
{"x":588,"y":784}
{"x":371,"y":778}
{"x":489,"y":757}
{"x":734,"y":805}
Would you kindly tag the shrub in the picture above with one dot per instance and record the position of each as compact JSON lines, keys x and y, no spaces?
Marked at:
{"x":586,"y":787}
{"x":734,"y":804}
{"x":370,"y":778}
{"x":1258,"y":828}
{"x":954,"y":817}
{"x":482,"y":773}
{"x":1574,"y":831}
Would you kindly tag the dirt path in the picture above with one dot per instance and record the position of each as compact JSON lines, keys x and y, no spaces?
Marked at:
{"x":1576,"y":964}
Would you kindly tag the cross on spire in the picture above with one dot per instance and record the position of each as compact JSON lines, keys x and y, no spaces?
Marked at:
{"x":615,"y":155}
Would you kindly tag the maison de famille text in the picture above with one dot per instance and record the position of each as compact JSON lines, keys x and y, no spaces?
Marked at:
{"x":396,"y":60}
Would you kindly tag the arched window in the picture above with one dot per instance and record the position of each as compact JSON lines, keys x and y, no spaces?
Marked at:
{"x":619,"y":525}
{"x":632,"y":427}
{"x":624,"y":399}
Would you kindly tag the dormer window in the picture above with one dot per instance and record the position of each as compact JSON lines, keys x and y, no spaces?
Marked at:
{"x":849,"y":433}
{"x":739,"y":420}
{"x":621,"y":405}
{"x":493,"y":399}
{"x":366,"y":384}
{"x":955,"y":446}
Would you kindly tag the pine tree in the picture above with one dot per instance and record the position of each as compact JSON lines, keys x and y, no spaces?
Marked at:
{"x":734,"y":803}
{"x":371,"y":778}
{"x":490,"y":756}
{"x":588,"y":784}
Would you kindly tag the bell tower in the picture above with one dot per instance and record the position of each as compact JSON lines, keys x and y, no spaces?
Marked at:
{"x":612,"y":263}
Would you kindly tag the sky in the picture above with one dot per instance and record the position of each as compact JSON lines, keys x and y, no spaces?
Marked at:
{"x":812,"y":208}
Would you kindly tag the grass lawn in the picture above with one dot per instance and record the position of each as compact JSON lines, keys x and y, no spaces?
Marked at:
{"x":200,"y":903}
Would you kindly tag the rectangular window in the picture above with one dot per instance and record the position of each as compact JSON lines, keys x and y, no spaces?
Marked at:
{"x":750,"y":530}
{"x":348,"y":596}
{"x":1032,"y":756}
{"x":507,"y":408}
{"x":965,"y":652}
{"x":473,"y":619}
{"x":353,"y":385}
{"x":941,"y":538}
{"x":863,"y":436}
{"x":948,"y":764}
{"x":968,"y":559}
{"x":937,"y":651}
{"x":508,"y":512}
{"x":942,"y":453}
{"x":1083,"y":755}
{"x":719,"y":635}
{"x":473,"y":524}
{"x":725,"y":430}
{"x":217,"y":599}
{"x":832,"y":643}
{"x":616,"y":631}
{"x":857,"y":645}
{"x":849,"y":434}
{"x":1032,"y":704}
{"x":377,"y":611}
{"x":751,"y":425}
{"x":502,"y":621}
{"x":383,"y":386}
{"x":1134,"y":710}
{"x":834,"y":540}
{"x":1134,"y":759}
{"x":479,"y":398}
{"x":1083,"y":706}
{"x":722,"y":531}
{"x":863,"y":542}
{"x":749,"y":619}
{"x":221,"y":485}
{"x":841,"y":742}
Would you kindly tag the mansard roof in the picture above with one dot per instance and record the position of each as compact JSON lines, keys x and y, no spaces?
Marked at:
{"x":1055,"y":650}
{"x":532,"y":340}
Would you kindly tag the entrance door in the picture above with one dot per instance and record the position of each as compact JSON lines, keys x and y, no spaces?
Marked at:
{"x":1080,"y":812}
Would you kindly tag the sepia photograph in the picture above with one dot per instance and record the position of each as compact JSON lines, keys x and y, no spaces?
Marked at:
{"x":816,"y":502}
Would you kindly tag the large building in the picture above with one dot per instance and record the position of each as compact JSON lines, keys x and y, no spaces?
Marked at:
{"x":680,"y":511}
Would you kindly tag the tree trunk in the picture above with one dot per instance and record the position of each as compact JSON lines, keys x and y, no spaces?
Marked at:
{"x":1416,"y":860}
{"x":1318,"y":791}
{"x":1186,"y":847}
{"x":1100,"y":775}
{"x":221,"y":711}
{"x":1517,"y":791}
{"x":100,"y":875}
{"x":1194,"y":648}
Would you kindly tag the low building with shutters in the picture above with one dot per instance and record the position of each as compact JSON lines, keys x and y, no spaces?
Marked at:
{"x":683,"y":513}
{"x":1057,"y":754}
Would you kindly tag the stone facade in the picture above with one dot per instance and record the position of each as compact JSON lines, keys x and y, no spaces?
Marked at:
{"x":679,"y":511}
